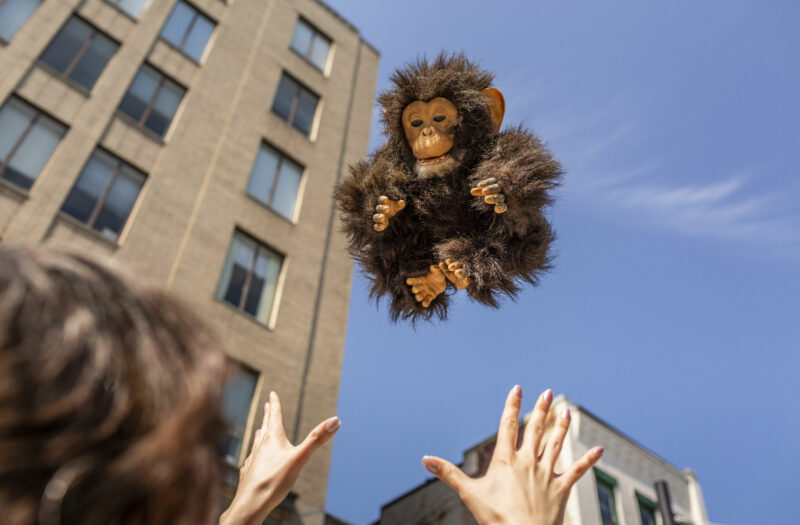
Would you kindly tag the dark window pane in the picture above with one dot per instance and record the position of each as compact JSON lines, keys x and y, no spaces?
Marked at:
{"x":647,"y":515}
{"x":304,"y":116}
{"x":319,"y":52}
{"x":119,"y":202}
{"x":33,"y":153}
{"x":67,"y":44}
{"x":236,"y":401}
{"x":284,"y":98}
{"x":13,"y":14}
{"x":164,"y":108}
{"x":140,"y":93}
{"x":237,"y":267}
{"x":91,"y":185}
{"x":132,"y":7}
{"x":177,"y":24}
{"x":15,"y":117}
{"x":286,"y":190}
{"x":94,"y":61}
{"x":263,"y":175}
{"x":198,"y":38}
{"x":605,"y":495}
{"x":301,"y":40}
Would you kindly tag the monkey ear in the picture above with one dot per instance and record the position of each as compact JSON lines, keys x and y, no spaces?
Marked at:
{"x":497,"y":106}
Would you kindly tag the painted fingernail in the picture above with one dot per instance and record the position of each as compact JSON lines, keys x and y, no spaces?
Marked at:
{"x":598,"y":451}
{"x":430,"y":464}
{"x":332,"y":424}
{"x":266,"y":406}
{"x":517,"y":390}
{"x":548,"y":395}
{"x":272,"y":394}
{"x":565,"y":413}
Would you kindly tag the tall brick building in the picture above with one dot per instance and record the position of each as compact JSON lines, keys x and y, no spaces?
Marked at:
{"x":198,"y":142}
{"x":619,"y":490}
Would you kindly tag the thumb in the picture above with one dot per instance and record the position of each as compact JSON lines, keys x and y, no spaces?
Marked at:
{"x":448,"y":473}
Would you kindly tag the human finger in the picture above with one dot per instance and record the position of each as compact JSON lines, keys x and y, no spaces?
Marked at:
{"x":265,"y":420}
{"x":509,"y":424}
{"x":579,"y":468}
{"x":320,"y":435}
{"x":276,"y":416}
{"x":556,"y":440}
{"x":534,"y":430}
{"x":448,"y":473}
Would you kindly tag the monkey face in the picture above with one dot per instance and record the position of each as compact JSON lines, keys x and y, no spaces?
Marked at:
{"x":429,"y":128}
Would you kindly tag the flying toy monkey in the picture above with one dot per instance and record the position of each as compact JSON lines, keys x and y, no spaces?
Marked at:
{"x":448,"y":203}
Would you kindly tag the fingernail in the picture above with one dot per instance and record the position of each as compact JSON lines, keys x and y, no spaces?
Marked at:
{"x":548,"y":395}
{"x":266,"y":406}
{"x":430,"y":464}
{"x":598,"y":451}
{"x":517,"y":390}
{"x":271,"y":394}
{"x":332,"y":424}
{"x":565,"y":413}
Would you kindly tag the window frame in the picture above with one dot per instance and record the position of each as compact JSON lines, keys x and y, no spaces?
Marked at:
{"x":315,"y":33}
{"x":21,"y":139}
{"x":65,"y":75}
{"x":282,"y":157}
{"x":602,"y":478}
{"x":198,"y":13}
{"x":219,"y":293}
{"x":98,"y":207}
{"x":295,"y":103}
{"x":645,"y":502}
{"x":140,"y":122}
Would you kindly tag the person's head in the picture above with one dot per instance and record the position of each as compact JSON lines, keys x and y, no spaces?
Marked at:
{"x":110,"y":397}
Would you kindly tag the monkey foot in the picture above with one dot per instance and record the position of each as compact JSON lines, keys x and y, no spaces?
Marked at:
{"x":429,"y":286}
{"x":455,"y":273}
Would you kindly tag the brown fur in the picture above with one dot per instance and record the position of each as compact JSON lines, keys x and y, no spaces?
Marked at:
{"x":442,"y":220}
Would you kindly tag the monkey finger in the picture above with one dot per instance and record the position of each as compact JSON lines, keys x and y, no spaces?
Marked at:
{"x":443,"y":267}
{"x":426,"y":303}
{"x":487,"y":182}
{"x":500,"y":208}
{"x":379,"y":217}
{"x":378,"y":227}
{"x":454,"y":266}
{"x":383,"y":199}
{"x":419,"y":297}
{"x":461,"y":274}
{"x":491,"y":190}
{"x":401,"y":204}
{"x":495,"y":199}
{"x":476,"y":191}
{"x":381,"y":208}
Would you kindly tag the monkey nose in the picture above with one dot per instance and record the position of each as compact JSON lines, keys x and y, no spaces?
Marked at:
{"x":427,"y":131}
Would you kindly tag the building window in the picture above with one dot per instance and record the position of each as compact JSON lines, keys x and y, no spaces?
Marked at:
{"x":295,"y":104}
{"x":311,"y":44}
{"x":188,"y":30}
{"x":647,"y":510}
{"x":79,"y":52}
{"x":132,"y":7}
{"x":14,"y":14}
{"x":27,"y":139}
{"x":250,"y":277}
{"x":605,"y":496}
{"x":275,"y":180}
{"x":104,"y":194}
{"x":236,"y":401}
{"x":152,"y":100}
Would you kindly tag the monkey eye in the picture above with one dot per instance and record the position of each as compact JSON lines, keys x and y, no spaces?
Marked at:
{"x":416,"y":123}
{"x":439,"y":118}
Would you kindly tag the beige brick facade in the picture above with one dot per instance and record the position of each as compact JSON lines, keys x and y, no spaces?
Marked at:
{"x":195,"y":197}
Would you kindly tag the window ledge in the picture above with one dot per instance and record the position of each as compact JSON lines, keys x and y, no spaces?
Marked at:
{"x":291,"y":127}
{"x":310,"y":63}
{"x":14,"y":189}
{"x":65,"y":79}
{"x":244,"y":314}
{"x":87,"y":230}
{"x":152,"y":135}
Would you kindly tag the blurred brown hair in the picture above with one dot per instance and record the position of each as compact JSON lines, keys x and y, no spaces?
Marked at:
{"x":110,"y":397}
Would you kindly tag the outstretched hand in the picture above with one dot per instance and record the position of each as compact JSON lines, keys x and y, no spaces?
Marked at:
{"x":520,"y":486}
{"x":272,"y":467}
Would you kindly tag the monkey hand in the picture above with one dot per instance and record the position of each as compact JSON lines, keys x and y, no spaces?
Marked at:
{"x":429,"y":286}
{"x":455,"y":273}
{"x":492,"y":193}
{"x":386,"y":209}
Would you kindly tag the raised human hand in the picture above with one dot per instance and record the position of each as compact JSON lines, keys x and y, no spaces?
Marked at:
{"x":385,"y":210}
{"x":520,"y":487}
{"x":492,"y":192}
{"x":272,"y":467}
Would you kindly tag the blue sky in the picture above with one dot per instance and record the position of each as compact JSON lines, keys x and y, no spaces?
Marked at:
{"x":673,"y":311}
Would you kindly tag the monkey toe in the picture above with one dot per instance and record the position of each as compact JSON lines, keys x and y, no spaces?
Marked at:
{"x":501,"y":208}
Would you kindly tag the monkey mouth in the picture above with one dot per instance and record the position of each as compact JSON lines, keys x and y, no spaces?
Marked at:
{"x":434,"y":160}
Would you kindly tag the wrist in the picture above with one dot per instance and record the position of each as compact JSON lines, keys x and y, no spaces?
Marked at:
{"x":244,"y":511}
